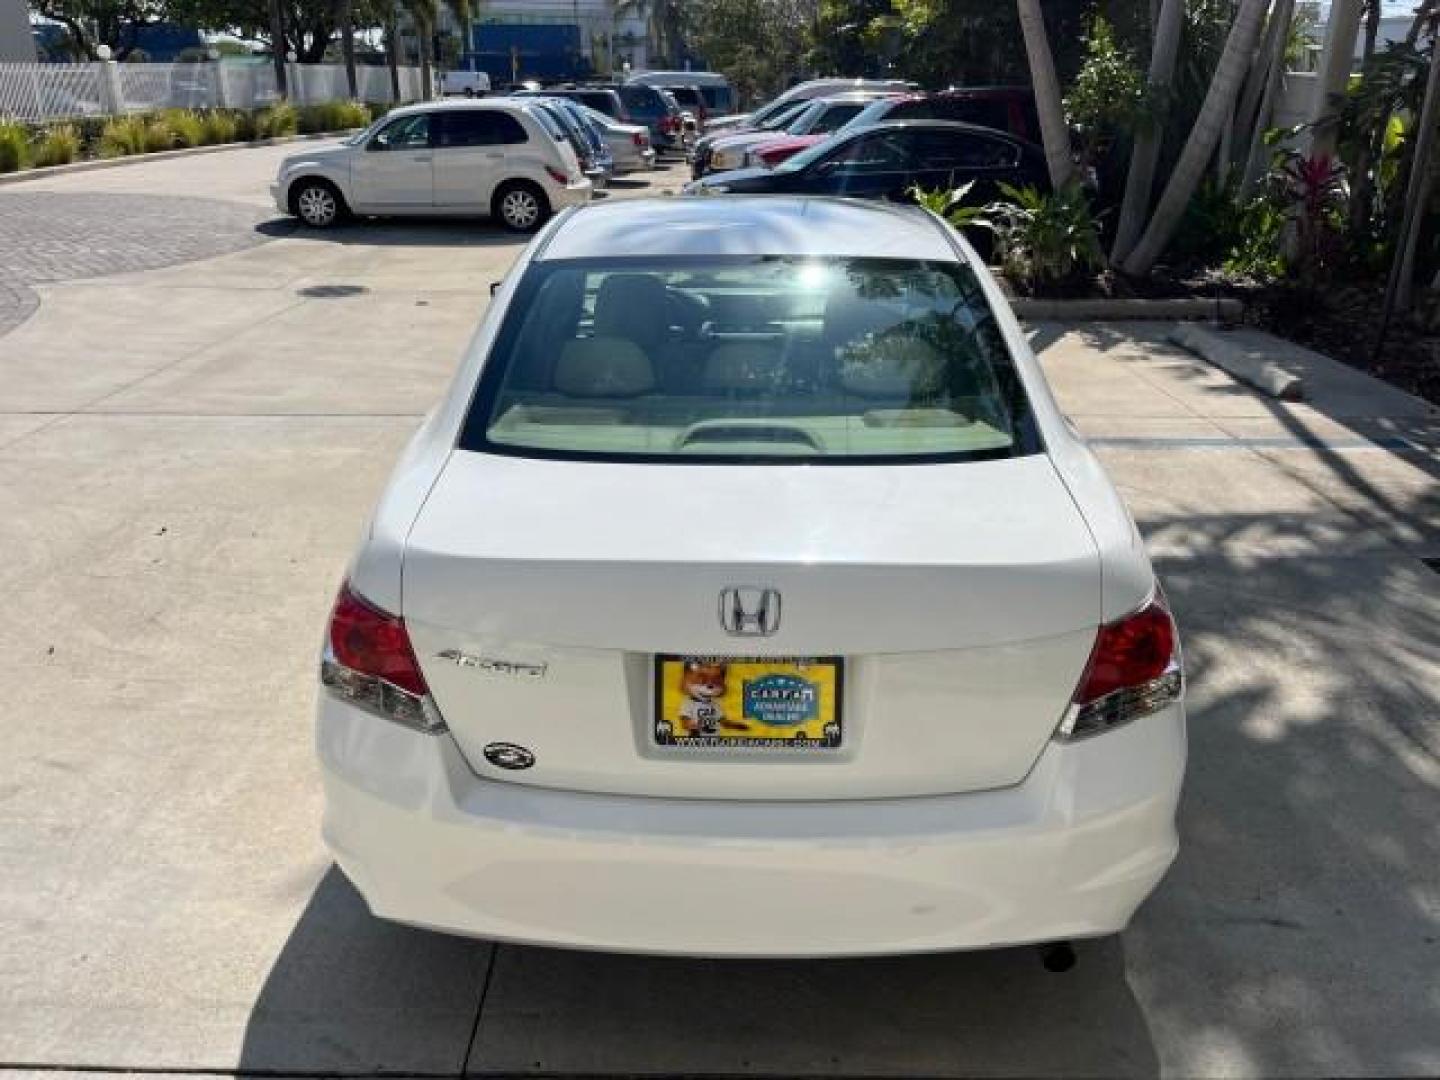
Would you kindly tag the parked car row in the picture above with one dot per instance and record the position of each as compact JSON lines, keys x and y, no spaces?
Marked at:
{"x":517,"y":159}
{"x":875,"y":140}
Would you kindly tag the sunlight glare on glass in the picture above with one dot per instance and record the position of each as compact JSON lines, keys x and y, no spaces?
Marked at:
{"x":813,"y":276}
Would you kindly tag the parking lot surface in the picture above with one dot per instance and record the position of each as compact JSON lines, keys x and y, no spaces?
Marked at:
{"x":188,"y":448}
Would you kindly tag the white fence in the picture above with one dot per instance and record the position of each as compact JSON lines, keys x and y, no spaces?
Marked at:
{"x":65,"y":91}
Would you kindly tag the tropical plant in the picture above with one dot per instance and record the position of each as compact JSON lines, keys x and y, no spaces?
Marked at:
{"x":58,"y":145}
{"x":14,"y":147}
{"x":1107,"y":98}
{"x":1258,"y":251}
{"x":1045,"y":240}
{"x":1314,"y":195}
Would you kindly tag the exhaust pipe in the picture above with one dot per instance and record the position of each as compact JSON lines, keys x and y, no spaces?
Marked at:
{"x":1057,"y":956}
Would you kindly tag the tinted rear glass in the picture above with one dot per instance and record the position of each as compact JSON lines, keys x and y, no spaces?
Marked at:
{"x":644,"y":101}
{"x":717,"y":98}
{"x":757,"y":359}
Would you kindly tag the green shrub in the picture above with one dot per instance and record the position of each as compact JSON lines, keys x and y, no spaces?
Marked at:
{"x":351,"y":114}
{"x":1045,"y":241}
{"x":310,"y":118}
{"x":58,"y":145}
{"x":187,"y":128}
{"x":220,"y":127}
{"x":246,"y":129}
{"x":158,"y":135}
{"x":14,"y":147}
{"x":123,"y":136}
{"x":276,"y":120}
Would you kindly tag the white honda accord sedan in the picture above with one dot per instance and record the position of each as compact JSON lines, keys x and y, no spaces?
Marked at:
{"x":748,"y":595}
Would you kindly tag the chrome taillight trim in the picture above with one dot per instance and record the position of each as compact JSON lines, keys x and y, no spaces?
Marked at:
{"x":1123,"y":706}
{"x":380,"y":698}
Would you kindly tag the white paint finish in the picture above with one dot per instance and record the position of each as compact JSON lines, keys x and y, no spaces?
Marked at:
{"x":1070,"y":852}
{"x":964,"y":598}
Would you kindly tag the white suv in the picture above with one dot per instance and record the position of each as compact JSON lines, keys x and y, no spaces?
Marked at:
{"x":489,"y":156}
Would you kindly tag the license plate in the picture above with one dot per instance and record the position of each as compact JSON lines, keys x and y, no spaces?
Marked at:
{"x":717,"y":702}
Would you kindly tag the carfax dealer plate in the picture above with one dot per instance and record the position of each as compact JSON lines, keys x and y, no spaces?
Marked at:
{"x":720,"y":702}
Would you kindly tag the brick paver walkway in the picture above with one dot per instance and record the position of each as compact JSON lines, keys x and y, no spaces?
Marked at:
{"x":54,"y":236}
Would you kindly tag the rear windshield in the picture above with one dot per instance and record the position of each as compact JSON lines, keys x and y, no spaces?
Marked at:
{"x":753,"y":359}
{"x":717,"y":98}
{"x":644,"y":101}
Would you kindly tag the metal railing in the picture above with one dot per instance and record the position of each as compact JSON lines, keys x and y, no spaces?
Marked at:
{"x":36,"y":92}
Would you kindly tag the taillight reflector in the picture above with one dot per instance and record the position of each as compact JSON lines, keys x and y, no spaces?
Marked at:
{"x":556,"y":175}
{"x":369,"y":663}
{"x":1133,"y":671}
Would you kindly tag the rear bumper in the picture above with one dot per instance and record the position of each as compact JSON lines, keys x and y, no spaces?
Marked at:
{"x":576,"y":193}
{"x":1070,"y":852}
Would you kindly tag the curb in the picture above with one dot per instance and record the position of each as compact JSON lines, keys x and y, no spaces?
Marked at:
{"x":1128,"y":308}
{"x":161,"y":155}
{"x":1249,"y":368}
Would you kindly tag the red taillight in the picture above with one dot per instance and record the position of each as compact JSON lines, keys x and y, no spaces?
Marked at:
{"x":1130,"y":652}
{"x":556,"y":175}
{"x":1134,"y":670}
{"x":369,"y":664}
{"x":669,"y":123}
{"x":638,"y":138}
{"x":370,"y":642}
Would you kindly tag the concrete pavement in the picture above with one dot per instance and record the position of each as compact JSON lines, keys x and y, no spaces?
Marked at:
{"x":186,"y":455}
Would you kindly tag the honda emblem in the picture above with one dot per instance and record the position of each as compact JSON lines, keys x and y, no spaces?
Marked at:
{"x":750,"y":612}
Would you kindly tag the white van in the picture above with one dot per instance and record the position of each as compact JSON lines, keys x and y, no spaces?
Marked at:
{"x":464,"y":84}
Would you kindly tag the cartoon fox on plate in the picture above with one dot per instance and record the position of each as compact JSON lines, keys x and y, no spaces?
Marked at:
{"x":703,"y":684}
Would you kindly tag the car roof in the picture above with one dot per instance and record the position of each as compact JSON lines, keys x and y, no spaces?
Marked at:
{"x":956,"y":126}
{"x":459,"y":103}
{"x":748,"y":225}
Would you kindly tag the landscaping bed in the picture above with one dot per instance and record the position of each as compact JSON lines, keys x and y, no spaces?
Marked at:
{"x":25,"y":146}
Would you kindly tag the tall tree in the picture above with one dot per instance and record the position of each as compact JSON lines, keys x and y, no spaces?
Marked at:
{"x":1214,"y":112}
{"x":1331,"y":80}
{"x":345,"y":16}
{"x":91,"y":23}
{"x":1140,"y":180}
{"x":1254,"y":161}
{"x":1053,"y":130}
{"x":1399,"y":288}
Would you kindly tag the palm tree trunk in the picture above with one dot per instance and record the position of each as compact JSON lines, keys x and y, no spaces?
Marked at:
{"x":1399,"y":290}
{"x":1140,"y":180}
{"x":1334,"y":75}
{"x":1054,"y":132}
{"x":1255,"y":147}
{"x":1214,"y":112}
{"x":427,"y":89}
{"x":1362,"y":188}
{"x":392,"y":55}
{"x":277,"y":47}
{"x":1249,"y":107}
{"x":346,"y":15}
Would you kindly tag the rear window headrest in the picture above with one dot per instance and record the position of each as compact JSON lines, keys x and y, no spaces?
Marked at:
{"x":603,"y":367}
{"x":744,"y":366}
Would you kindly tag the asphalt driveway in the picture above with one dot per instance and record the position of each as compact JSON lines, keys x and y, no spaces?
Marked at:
{"x":187,"y":452}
